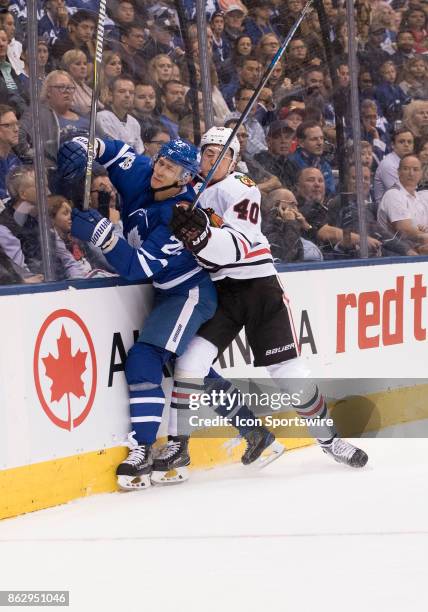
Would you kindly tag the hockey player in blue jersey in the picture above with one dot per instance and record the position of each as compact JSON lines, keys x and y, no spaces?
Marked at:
{"x":185,"y":296}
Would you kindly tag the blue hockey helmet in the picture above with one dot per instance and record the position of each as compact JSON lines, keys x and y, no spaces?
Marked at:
{"x":181,"y":153}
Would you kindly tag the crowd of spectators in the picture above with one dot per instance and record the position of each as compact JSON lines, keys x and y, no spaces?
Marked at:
{"x":296,"y":144}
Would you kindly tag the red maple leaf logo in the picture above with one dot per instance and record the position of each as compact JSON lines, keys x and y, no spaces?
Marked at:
{"x":65,"y":371}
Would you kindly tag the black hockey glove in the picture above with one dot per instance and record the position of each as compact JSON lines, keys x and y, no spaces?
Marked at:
{"x":192,"y":227}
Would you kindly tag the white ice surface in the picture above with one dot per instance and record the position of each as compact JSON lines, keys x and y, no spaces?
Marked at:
{"x":306,"y":534}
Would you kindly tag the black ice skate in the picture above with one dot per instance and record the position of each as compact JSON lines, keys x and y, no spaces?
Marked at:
{"x":134,"y":472}
{"x":170,"y":466}
{"x":344,"y":452}
{"x":262,"y":448}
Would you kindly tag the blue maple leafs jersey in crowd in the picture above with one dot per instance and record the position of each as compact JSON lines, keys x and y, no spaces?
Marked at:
{"x":152,"y":251}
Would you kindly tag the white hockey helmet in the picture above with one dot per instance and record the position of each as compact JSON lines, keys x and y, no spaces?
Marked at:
{"x":219,"y":136}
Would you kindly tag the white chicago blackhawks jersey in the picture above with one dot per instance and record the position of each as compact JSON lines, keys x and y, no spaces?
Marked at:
{"x":238,"y":249}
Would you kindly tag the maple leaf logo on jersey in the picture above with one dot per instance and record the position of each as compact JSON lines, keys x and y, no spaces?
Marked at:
{"x":65,"y":371}
{"x":245,"y":179}
{"x":134,"y":238}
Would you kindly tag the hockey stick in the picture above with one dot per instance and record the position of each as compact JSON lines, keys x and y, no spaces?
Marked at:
{"x":253,"y":99}
{"x":97,"y":67}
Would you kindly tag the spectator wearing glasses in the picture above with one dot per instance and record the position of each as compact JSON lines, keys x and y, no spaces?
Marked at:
{"x":154,"y":136}
{"x":117,"y":122}
{"x":132,"y":40}
{"x":58,"y":122}
{"x":298,"y":60}
{"x":79,"y":35}
{"x":9,"y":134}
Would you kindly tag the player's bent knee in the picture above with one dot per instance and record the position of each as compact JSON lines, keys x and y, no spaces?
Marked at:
{"x":144,"y":365}
{"x":294,"y":368}
{"x":196,"y":361}
{"x":293,"y":377}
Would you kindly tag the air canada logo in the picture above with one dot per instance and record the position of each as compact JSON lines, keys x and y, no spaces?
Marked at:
{"x":65,"y":369}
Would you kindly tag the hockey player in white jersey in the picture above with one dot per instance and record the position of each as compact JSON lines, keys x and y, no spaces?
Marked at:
{"x":249,"y":295}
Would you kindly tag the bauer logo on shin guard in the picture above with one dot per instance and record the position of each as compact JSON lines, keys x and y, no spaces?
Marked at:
{"x":280,"y":349}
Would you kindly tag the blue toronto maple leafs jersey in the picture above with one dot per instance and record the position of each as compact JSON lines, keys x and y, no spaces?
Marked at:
{"x":151,"y":250}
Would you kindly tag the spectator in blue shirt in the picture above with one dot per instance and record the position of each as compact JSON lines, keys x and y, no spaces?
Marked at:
{"x":54,"y":22}
{"x":259,"y":23}
{"x":390,"y":96}
{"x":309,"y":154}
{"x":173,"y":106}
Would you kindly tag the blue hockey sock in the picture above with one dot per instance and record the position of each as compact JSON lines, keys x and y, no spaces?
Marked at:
{"x":232,"y":406}
{"x":146,"y":407}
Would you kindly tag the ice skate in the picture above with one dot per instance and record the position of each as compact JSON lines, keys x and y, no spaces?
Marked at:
{"x":134,"y":472}
{"x":262,"y":448}
{"x":170,"y":466}
{"x":344,"y":452}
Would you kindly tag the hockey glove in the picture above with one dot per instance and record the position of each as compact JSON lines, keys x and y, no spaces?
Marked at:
{"x":90,"y":226}
{"x":192,"y":227}
{"x":72,"y":158}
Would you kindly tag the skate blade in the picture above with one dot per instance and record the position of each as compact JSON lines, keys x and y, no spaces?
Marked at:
{"x":132,"y":483}
{"x":270,"y":454}
{"x":173,"y":476}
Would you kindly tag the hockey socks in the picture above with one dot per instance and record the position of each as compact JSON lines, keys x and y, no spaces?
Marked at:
{"x":146,"y":407}
{"x":224,"y":398}
{"x":228,"y":403}
{"x":184,"y":394}
{"x":314,"y":410}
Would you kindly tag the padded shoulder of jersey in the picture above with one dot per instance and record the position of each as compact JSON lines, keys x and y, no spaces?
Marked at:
{"x":236,"y":184}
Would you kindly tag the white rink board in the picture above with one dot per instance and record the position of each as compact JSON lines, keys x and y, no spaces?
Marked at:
{"x":28,"y":435}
